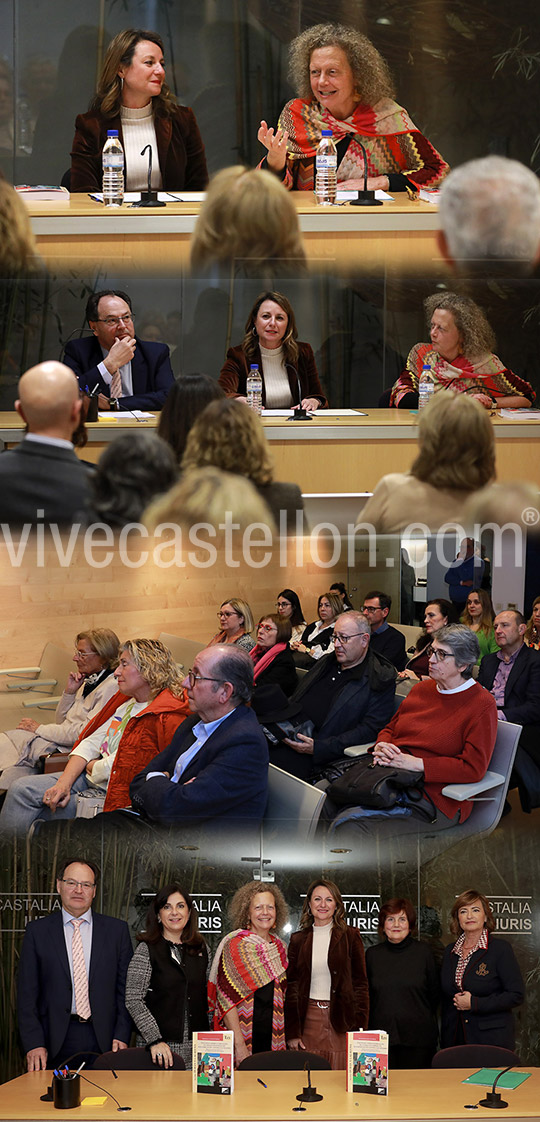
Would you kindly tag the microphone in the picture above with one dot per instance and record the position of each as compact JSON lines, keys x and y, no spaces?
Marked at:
{"x":309,"y":1094}
{"x":298,"y":414}
{"x":493,"y":1098}
{"x":149,"y":197}
{"x":77,"y":331}
{"x":365,"y":197}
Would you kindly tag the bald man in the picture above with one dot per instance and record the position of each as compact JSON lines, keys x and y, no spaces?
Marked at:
{"x":41,"y":480}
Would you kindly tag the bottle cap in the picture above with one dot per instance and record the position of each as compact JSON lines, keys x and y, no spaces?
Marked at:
{"x":112,"y":132}
{"x":254,"y":366}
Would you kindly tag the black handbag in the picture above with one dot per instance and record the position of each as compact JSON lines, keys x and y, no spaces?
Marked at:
{"x":378,"y":787}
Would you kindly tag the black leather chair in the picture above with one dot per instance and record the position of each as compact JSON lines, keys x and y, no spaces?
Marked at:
{"x":133,"y":1059}
{"x":475,"y":1055}
{"x":289,"y":1060}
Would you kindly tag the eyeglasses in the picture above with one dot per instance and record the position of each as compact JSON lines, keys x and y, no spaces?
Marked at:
{"x":192,"y":677}
{"x":115,"y":321}
{"x":344,"y":639}
{"x":225,"y":615}
{"x":283,"y":604}
{"x":82,"y":654}
{"x":267,"y":627}
{"x":366,"y":609}
{"x":77,"y":883}
{"x":439,"y":654}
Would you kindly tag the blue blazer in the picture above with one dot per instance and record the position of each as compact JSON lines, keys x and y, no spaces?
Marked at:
{"x":44,"y":990}
{"x":230,"y":773}
{"x":150,"y":369}
{"x":493,"y":979}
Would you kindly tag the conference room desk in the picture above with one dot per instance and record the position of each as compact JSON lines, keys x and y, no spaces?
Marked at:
{"x":83,"y":233}
{"x":331,"y":454}
{"x":429,"y":1094}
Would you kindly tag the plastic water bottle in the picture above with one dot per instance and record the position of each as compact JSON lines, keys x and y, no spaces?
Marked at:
{"x":113,"y":170}
{"x":426,"y":387}
{"x":326,"y":170}
{"x":254,"y":389}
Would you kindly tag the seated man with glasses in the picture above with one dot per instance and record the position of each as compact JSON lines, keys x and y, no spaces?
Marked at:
{"x":348,"y":696}
{"x":385,"y":640}
{"x":216,"y":765}
{"x":125,"y":371}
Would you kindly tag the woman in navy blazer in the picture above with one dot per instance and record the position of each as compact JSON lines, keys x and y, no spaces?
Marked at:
{"x":481,"y":980}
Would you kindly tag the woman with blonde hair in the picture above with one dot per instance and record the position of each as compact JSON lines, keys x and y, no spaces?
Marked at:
{"x":456,"y":456}
{"x":235,"y":625}
{"x":17,"y":245}
{"x":230,"y":436}
{"x":249,"y":223}
{"x":202,"y":498}
{"x":460,"y":358}
{"x":289,"y":373}
{"x":134,"y":98}
{"x":343,"y":84}
{"x":532,"y":634}
{"x":479,"y":616}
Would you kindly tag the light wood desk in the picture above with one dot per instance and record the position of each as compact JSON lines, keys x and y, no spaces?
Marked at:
{"x":399,"y":234}
{"x":331,"y":454}
{"x":429,"y":1094}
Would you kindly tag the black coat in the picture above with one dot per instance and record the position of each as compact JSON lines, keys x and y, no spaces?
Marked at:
{"x":42,"y":477}
{"x":493,"y":979}
{"x":404,"y":992}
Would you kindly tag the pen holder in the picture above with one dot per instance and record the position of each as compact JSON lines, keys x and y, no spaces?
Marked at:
{"x":91,"y":408}
{"x":67,"y":1092}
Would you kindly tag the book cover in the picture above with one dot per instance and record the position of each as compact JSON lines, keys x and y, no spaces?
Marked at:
{"x":213,"y":1063}
{"x":367,"y":1062}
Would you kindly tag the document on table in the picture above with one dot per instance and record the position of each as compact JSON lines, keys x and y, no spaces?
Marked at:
{"x":346,"y":196}
{"x":520,"y":414}
{"x":125,"y":414}
{"x":322,"y":413}
{"x":163,"y":196}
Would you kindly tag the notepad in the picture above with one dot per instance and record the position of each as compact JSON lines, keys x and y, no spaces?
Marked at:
{"x":486,"y":1077}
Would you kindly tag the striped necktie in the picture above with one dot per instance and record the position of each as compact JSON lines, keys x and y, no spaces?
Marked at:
{"x":80,"y":977}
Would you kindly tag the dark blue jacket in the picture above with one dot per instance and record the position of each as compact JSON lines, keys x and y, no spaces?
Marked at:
{"x":493,"y":979}
{"x":151,"y":371}
{"x":230,"y":775}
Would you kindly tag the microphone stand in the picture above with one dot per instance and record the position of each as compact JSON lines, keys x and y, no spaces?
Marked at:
{"x":149,"y":197}
{"x":365,"y":197}
{"x":493,"y":1098}
{"x":299,"y":414}
{"x":309,"y":1094}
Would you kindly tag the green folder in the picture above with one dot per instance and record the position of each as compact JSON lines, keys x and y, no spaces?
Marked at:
{"x":486,"y":1077}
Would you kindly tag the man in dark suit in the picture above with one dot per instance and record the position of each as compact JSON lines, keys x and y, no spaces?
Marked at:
{"x":42,"y":474}
{"x":216,"y":766}
{"x":72,"y":975}
{"x":513,"y":677}
{"x":129,"y":373}
{"x":385,"y":640}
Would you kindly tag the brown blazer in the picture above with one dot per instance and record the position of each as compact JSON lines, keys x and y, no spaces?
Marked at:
{"x":349,"y":995}
{"x":180,"y":148}
{"x":234,"y":374}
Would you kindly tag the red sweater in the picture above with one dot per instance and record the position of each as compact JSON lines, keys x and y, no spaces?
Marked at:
{"x":454,"y":734}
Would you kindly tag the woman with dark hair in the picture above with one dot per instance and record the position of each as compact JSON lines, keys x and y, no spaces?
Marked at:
{"x":247,"y":977}
{"x":343,"y":84}
{"x":166,"y":980}
{"x":341,"y":590}
{"x":133,"y":97}
{"x":273,"y":663}
{"x":287,"y":367}
{"x":532,"y":634}
{"x":403,"y":987}
{"x":481,"y":980}
{"x":327,"y":990}
{"x":135,"y":468}
{"x":437,"y":613}
{"x":479,"y":616}
{"x":289,"y":607}
{"x":188,"y":396}
{"x":318,"y":637}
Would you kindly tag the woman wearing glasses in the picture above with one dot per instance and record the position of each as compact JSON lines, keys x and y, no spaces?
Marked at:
{"x":273,"y":663}
{"x":289,"y":607}
{"x":235,"y":623}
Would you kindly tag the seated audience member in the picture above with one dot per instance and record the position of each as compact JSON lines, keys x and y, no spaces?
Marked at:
{"x":273,"y":663}
{"x":222,"y":773}
{"x":18,"y":253}
{"x":456,"y":456}
{"x":479,"y":616}
{"x":188,"y":396}
{"x":201,"y":502}
{"x":230,"y":436}
{"x":460,"y":359}
{"x":132,"y":470}
{"x":127,"y":372}
{"x":445,"y":729}
{"x":437,"y":614}
{"x":133,"y":97}
{"x":532,"y":633}
{"x":289,"y":607}
{"x":385,"y":640}
{"x":489,"y":211}
{"x":502,"y":504}
{"x":341,"y":590}
{"x":465,"y":573}
{"x":235,"y":625}
{"x":347,"y":696}
{"x":318,"y":637}
{"x":41,"y":480}
{"x":343,"y":84}
{"x":87,"y":690}
{"x":287,"y":367}
{"x":248,"y":224}
{"x":513,"y":677}
{"x":136,"y":722}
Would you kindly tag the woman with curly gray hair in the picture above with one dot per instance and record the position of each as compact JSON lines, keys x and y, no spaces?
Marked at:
{"x":247,"y":978}
{"x":459,"y":358}
{"x":343,"y":84}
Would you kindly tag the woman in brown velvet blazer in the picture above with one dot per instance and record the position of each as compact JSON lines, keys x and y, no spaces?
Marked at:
{"x":327,"y":989}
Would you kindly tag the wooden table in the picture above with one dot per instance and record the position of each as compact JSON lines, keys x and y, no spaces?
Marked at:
{"x":83,"y":233}
{"x":429,"y":1094}
{"x":346,"y":454}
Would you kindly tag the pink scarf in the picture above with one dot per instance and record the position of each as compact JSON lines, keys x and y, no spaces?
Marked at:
{"x":261,"y":661}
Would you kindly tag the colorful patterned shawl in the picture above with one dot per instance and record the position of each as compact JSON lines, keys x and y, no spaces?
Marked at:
{"x":243,"y":963}
{"x":392,"y":142}
{"x":486,"y":375}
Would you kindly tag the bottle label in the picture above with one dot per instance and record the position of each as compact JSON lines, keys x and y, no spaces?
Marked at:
{"x":326,"y":161}
{"x":113,"y":161}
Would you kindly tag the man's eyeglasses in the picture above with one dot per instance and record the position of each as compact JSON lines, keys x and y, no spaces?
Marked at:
{"x":344,"y":639}
{"x":367,"y":610}
{"x":115,"y":321}
{"x":192,"y":677}
{"x":77,"y":883}
{"x":439,"y":654}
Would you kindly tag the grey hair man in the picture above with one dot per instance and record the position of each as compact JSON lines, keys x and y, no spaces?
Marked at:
{"x":490,"y":216}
